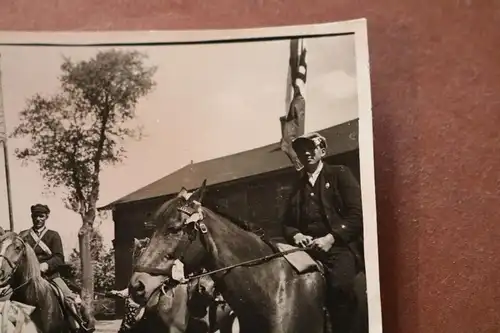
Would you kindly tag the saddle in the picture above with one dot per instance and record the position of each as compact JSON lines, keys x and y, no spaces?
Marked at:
{"x":70,"y":311}
{"x":301,"y":261}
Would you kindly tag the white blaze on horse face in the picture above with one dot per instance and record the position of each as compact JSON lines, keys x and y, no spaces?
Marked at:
{"x":3,"y":249}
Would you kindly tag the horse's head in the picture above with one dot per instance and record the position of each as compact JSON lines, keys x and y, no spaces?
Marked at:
{"x":12,"y":251}
{"x":176,"y":223}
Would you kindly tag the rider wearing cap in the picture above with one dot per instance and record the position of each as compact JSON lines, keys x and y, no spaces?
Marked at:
{"x":48,"y":249}
{"x":325,"y":212}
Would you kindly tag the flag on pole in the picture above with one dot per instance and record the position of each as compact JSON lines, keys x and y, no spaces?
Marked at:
{"x":292,"y":124}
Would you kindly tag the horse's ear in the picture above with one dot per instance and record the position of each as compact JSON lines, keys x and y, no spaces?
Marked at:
{"x":2,"y":231}
{"x":199,"y":193}
{"x":137,"y":242}
{"x":182,"y":193}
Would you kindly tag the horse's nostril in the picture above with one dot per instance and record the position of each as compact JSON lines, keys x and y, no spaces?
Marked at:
{"x":140,"y":287}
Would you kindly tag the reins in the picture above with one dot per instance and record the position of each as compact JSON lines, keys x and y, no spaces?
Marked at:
{"x":195,"y":218}
{"x":187,"y":280}
{"x":245,"y":263}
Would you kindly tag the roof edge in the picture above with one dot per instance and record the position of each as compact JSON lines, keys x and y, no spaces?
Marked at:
{"x":113,"y":204}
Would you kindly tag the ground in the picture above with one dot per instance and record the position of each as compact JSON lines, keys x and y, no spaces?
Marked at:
{"x":107,"y":326}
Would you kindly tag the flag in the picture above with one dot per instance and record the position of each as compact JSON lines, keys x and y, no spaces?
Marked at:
{"x":292,"y":124}
{"x":3,"y":128}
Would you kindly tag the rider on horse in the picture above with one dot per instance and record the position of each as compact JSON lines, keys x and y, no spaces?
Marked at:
{"x":48,"y":248}
{"x":325,"y":212}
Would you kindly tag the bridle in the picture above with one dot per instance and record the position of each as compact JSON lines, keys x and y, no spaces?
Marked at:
{"x":195,"y":219}
{"x":14,"y":267}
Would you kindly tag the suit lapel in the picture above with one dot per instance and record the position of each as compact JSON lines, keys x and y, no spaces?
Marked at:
{"x":321,"y":184}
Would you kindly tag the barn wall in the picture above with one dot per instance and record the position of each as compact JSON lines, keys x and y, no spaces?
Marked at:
{"x":128,"y":225}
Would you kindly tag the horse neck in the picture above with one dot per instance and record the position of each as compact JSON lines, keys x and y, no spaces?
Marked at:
{"x":31,"y":286}
{"x":229,"y":244}
{"x":34,"y":290}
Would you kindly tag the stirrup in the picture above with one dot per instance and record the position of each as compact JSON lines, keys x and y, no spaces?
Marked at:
{"x":77,"y":316}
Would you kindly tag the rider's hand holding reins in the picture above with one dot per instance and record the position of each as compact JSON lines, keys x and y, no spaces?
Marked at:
{"x":324,"y":243}
{"x":302,"y":240}
{"x":44,"y":267}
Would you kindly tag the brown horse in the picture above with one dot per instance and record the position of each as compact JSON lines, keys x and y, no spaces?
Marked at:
{"x":186,"y":308}
{"x":20,"y":269}
{"x":269,"y":297}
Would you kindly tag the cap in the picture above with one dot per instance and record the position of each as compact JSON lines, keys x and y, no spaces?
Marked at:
{"x":40,"y":209}
{"x":315,"y":138}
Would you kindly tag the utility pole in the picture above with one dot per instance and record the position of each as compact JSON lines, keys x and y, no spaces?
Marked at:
{"x":3,"y":138}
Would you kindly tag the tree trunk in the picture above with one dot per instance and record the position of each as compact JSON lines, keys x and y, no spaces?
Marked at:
{"x":84,"y":237}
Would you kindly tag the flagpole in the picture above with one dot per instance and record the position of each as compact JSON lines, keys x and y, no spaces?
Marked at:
{"x":6,"y":155}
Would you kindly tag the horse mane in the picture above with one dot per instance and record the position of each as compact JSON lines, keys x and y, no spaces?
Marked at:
{"x":243,"y":224}
{"x":164,"y":209}
{"x":32,"y":271}
{"x":239,"y":222}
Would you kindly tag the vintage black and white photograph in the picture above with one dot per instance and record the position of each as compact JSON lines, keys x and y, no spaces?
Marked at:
{"x":188,"y":181}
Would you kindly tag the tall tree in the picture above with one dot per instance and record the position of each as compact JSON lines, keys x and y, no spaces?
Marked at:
{"x":80,"y":129}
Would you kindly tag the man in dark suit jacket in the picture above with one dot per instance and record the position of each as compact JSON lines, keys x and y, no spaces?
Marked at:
{"x":48,"y":249}
{"x":325,"y":212}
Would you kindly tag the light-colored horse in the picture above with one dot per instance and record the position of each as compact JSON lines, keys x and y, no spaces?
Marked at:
{"x":15,"y":318}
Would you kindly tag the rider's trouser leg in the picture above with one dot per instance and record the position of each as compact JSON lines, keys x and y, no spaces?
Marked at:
{"x":64,"y":287}
{"x":69,"y":295}
{"x":340,"y":268}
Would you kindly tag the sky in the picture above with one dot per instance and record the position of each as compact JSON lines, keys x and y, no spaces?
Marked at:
{"x":210,"y":100}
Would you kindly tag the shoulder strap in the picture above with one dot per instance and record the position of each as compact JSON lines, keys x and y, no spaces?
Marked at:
{"x":39,"y":242}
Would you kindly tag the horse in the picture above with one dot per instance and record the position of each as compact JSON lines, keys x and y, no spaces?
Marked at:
{"x":20,"y":269}
{"x":15,"y":317}
{"x":186,"y":308}
{"x":269,"y":297}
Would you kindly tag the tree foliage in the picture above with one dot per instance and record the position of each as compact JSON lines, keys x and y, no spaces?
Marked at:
{"x":77,"y":131}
